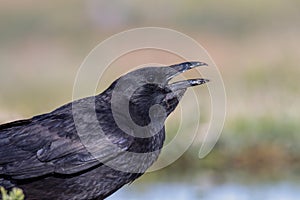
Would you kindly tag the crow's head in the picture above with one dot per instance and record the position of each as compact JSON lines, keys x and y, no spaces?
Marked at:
{"x":146,"y":94}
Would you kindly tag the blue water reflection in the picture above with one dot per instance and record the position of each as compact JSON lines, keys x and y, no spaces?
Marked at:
{"x":229,"y":191}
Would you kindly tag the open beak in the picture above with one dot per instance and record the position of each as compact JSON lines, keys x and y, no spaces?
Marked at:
{"x":180,"y":68}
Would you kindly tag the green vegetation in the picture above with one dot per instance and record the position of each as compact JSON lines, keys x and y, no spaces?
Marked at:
{"x":14,"y":194}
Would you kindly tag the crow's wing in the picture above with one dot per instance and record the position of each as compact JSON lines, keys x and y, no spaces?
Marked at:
{"x":49,"y":144}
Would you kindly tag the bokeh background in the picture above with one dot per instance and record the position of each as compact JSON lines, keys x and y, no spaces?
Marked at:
{"x":256,"y":45}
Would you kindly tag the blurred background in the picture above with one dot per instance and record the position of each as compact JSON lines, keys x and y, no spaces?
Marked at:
{"x":256,"y":45}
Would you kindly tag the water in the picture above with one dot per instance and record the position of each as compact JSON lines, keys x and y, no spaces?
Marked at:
{"x":228,"y":191}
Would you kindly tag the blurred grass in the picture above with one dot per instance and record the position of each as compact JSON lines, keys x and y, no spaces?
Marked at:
{"x":255,"y":44}
{"x":14,"y":194}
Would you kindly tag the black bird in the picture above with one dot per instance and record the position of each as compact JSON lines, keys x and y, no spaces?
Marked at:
{"x":91,"y":147}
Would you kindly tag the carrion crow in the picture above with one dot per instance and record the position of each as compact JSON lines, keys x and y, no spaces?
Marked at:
{"x":91,"y":147}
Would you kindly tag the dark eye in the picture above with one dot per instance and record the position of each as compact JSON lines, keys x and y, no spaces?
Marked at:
{"x":150,"y":79}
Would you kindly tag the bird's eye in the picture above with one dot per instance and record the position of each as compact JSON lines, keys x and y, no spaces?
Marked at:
{"x":150,"y":79}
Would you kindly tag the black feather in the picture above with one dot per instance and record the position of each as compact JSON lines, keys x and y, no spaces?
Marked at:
{"x":49,"y":157}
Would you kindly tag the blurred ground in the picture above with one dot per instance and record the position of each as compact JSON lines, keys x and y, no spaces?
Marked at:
{"x":255,"y":44}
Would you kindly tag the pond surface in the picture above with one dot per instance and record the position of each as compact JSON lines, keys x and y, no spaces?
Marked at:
{"x":228,"y":191}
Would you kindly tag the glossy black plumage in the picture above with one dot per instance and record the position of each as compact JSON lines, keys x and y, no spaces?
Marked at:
{"x":48,"y":158}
